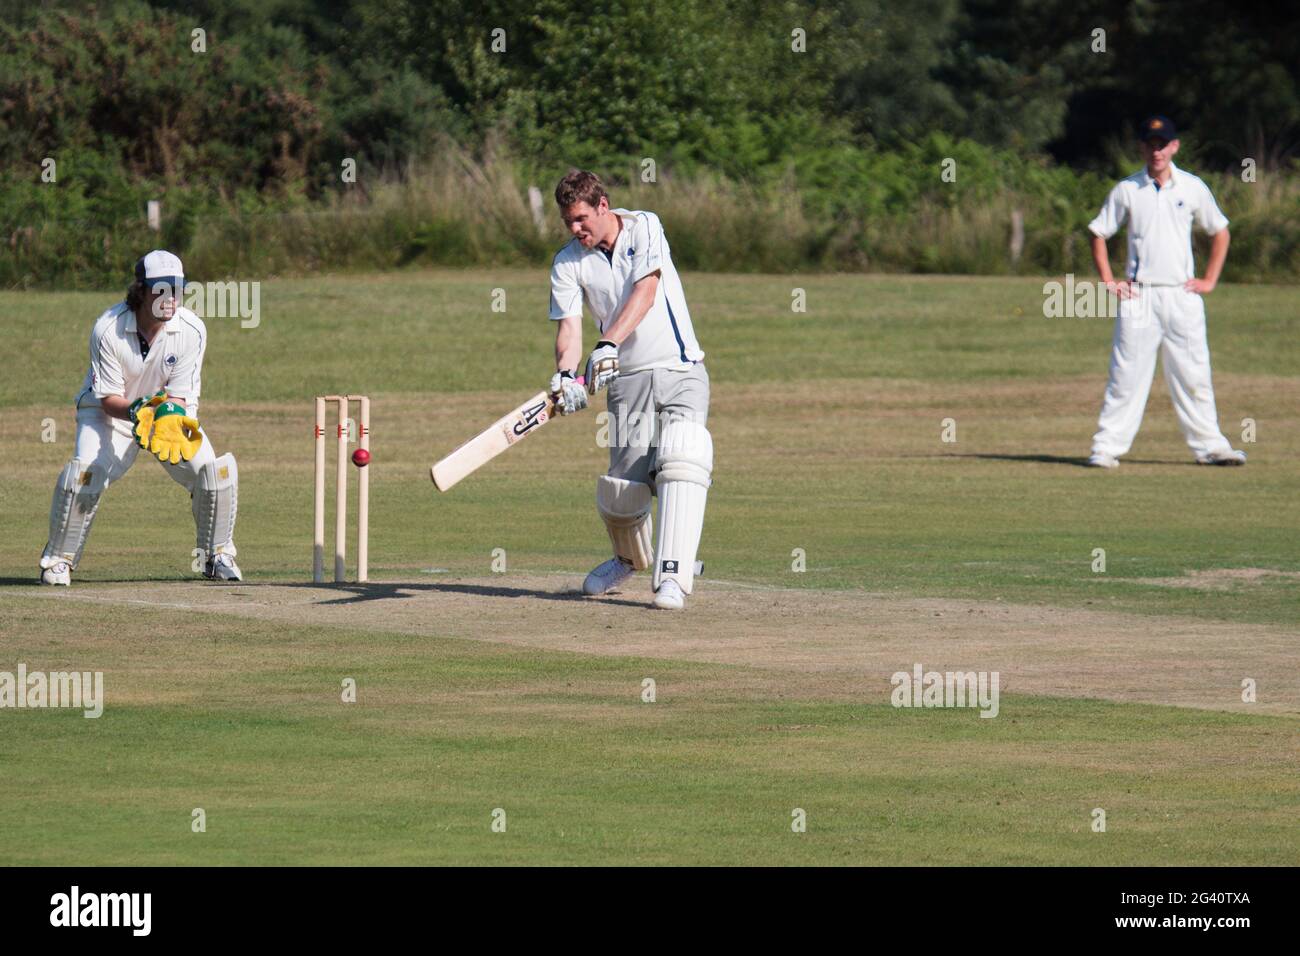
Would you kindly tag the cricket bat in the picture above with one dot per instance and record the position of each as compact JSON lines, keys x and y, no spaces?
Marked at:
{"x":513,"y":427}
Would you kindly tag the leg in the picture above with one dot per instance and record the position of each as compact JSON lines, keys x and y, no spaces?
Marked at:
{"x":684,"y":473}
{"x":103,"y":452}
{"x":213,"y":484}
{"x":623,"y":495}
{"x":1132,"y":367}
{"x":684,"y":468}
{"x":1186,"y":353}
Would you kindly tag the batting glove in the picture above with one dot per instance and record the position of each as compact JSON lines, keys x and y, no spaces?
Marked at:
{"x":568,"y":393}
{"x":602,"y":367}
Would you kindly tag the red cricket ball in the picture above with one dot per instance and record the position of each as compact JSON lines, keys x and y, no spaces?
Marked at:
{"x":361,"y":458}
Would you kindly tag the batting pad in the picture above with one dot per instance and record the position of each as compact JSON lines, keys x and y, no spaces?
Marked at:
{"x":624,"y":506}
{"x":72,"y":509}
{"x":216,"y":500}
{"x":684,"y":472}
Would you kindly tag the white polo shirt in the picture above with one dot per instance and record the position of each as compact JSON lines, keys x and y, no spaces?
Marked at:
{"x":1160,"y":222}
{"x":665,"y":338}
{"x":119,"y":367}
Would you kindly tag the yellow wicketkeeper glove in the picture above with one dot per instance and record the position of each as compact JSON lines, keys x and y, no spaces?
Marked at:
{"x":175,"y":434}
{"x":142,"y":415}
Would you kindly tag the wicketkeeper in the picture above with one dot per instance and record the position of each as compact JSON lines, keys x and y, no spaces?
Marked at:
{"x":142,"y":391}
{"x":618,"y":262}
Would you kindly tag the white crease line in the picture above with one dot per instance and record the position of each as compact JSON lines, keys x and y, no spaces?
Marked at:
{"x":184,"y":607}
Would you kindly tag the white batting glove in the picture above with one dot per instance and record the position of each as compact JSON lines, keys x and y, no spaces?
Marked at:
{"x":602,"y":367}
{"x":568,"y":393}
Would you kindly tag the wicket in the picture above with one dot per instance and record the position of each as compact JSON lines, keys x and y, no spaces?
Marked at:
{"x":341,"y":491}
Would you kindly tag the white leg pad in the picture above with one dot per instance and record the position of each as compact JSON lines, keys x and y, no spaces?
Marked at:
{"x":624,"y":506}
{"x":215,"y":503}
{"x":72,"y":509}
{"x":684,"y":472}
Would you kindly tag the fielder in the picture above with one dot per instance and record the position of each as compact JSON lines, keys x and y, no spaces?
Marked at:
{"x":618,"y":262}
{"x":142,"y":391}
{"x":1161,"y":308}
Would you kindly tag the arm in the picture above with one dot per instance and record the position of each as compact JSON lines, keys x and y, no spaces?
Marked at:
{"x":1213,"y":268}
{"x":634,"y":310}
{"x":116,"y":406}
{"x":568,"y":343}
{"x":1101,"y":259}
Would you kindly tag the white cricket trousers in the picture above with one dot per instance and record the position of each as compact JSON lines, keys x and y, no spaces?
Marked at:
{"x":1169,"y":321}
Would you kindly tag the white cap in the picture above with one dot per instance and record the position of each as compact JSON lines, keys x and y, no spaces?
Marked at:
{"x":160,"y":264}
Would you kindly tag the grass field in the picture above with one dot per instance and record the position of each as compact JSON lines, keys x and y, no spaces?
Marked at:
{"x":479,"y":690}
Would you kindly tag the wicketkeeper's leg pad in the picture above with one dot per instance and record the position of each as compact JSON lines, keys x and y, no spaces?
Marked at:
{"x":683,"y":474}
{"x":72,"y":509}
{"x":624,"y":506}
{"x":215,"y":504}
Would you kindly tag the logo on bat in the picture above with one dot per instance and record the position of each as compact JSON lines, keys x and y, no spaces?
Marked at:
{"x":528,"y":419}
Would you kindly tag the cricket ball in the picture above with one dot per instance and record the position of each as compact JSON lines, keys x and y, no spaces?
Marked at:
{"x":361,"y":458}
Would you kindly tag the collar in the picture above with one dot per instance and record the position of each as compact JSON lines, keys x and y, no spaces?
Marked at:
{"x":1149,"y":180}
{"x":623,"y":214}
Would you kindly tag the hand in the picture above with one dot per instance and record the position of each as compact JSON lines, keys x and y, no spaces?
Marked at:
{"x":1125,"y":289}
{"x":176,"y":436}
{"x":142,"y":412}
{"x":1199,"y":286}
{"x":602,"y":367}
{"x":568,"y":393}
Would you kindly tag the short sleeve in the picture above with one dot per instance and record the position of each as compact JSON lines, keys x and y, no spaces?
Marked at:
{"x":647,"y":246}
{"x":105,"y":367}
{"x":1208,"y":215}
{"x":566,"y":293}
{"x":1113,"y":213}
{"x":186,"y":377}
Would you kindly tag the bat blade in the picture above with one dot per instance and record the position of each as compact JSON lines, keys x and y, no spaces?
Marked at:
{"x":513,"y":427}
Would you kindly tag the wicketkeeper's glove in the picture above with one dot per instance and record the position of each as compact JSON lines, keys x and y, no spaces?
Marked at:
{"x":568,"y":393}
{"x":175,"y":434}
{"x":142,"y":413}
{"x":602,"y":367}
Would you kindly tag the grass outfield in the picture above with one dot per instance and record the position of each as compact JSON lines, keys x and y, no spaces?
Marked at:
{"x":479,"y":690}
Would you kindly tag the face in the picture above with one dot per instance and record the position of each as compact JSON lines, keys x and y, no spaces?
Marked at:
{"x":1159,"y":153}
{"x":589,"y":225}
{"x":160,"y":299}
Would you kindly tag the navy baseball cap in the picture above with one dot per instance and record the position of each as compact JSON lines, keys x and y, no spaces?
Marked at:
{"x":1158,"y":127}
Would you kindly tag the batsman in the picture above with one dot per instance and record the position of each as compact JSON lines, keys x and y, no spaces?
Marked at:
{"x":142,"y":392}
{"x":647,"y":356}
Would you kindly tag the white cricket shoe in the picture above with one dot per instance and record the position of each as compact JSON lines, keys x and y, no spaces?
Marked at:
{"x":60,"y":573}
{"x":1099,"y":459}
{"x":606,"y":577}
{"x":222,"y":568}
{"x":670,"y":596}
{"x":1229,"y":457}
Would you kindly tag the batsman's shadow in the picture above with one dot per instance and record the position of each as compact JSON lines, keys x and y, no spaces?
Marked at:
{"x":397,"y":590}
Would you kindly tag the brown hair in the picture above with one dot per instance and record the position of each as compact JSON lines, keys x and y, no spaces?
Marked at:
{"x":135,"y":294}
{"x":579,"y":185}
